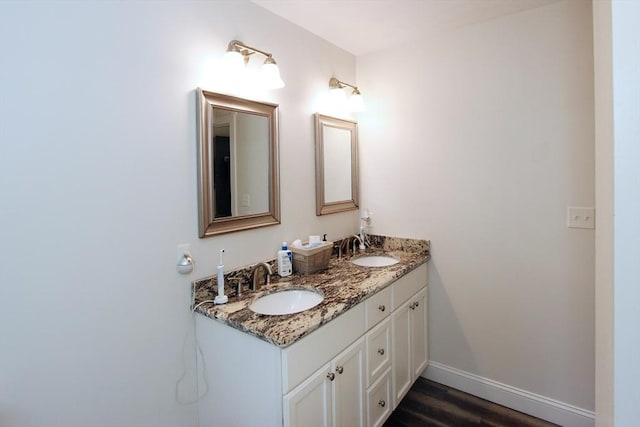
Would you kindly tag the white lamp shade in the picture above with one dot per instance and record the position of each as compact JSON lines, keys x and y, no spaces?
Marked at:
{"x":233,"y":61}
{"x":356,"y":103}
{"x":338,"y":97}
{"x":270,"y":76}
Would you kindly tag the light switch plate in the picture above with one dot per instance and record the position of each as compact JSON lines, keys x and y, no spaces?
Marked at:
{"x":581,"y":217}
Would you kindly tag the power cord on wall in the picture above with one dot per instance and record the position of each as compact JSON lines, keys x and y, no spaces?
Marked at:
{"x":191,"y":331}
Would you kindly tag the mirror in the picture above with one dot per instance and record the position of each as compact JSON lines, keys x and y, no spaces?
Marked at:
{"x":336,"y":165}
{"x":238,"y":176}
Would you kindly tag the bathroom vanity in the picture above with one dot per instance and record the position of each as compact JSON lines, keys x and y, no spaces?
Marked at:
{"x":346,"y":362}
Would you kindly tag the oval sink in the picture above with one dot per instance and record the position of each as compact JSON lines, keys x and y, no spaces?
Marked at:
{"x":375,"y":261}
{"x":287,"y":301}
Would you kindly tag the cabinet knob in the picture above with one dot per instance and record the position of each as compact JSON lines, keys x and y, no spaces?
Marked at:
{"x":331,"y":376}
{"x":412,"y":306}
{"x":382,"y":307}
{"x":417,"y":303}
{"x":339,"y":369}
{"x":382,"y":403}
{"x":381,"y":351}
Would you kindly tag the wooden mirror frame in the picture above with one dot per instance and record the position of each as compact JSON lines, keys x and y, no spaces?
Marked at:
{"x":208,"y":225}
{"x":322,"y":206}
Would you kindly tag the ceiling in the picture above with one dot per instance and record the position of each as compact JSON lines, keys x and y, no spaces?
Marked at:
{"x":365,"y":26}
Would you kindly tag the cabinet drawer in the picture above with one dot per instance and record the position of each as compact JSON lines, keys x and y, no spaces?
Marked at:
{"x":303,"y":358}
{"x":378,"y":307}
{"x":379,"y":400}
{"x":378,"y":350}
{"x":408,"y":285}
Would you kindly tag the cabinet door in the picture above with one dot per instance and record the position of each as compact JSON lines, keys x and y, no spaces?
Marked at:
{"x":348,"y":386}
{"x":419,"y":345}
{"x":401,"y":351}
{"x":309,"y":404}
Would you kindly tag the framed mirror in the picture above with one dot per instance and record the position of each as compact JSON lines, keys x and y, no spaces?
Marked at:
{"x":336,"y":165}
{"x":238,"y":175}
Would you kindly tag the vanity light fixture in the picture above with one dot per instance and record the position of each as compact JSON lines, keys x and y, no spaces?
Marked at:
{"x":355,"y":100}
{"x":237,"y":56}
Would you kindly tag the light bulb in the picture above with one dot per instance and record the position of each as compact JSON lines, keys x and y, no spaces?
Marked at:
{"x":270,"y":75}
{"x":338,"y":97}
{"x":356,"y":102}
{"x":233,"y":60}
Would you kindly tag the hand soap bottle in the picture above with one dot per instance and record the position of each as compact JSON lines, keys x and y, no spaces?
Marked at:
{"x":284,"y":261}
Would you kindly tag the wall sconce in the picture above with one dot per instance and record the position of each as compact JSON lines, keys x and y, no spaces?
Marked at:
{"x":237,"y":56}
{"x":355,"y":100}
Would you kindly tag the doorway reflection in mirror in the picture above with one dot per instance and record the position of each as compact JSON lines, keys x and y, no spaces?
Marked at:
{"x":241,"y":176}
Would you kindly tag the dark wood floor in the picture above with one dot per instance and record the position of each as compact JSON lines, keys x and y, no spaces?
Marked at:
{"x":432,"y":404}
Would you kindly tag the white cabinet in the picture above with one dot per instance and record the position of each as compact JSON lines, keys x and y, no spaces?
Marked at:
{"x":379,"y":397}
{"x":419,"y":343}
{"x":397,"y":346}
{"x":378,"y":351}
{"x":348,"y":387}
{"x":401,"y":351}
{"x":333,"y":395}
{"x":310,"y":403}
{"x":410,"y":348}
{"x":350,"y":372}
{"x":378,"y":357}
{"x":378,"y":307}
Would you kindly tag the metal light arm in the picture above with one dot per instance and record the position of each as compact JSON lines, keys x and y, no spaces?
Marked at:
{"x":337,"y":84}
{"x":238,"y":46}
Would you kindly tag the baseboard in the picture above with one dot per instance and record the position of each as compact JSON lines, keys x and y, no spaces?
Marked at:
{"x":533,"y":404}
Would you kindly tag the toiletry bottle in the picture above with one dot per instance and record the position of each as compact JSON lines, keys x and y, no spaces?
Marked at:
{"x":284,"y":261}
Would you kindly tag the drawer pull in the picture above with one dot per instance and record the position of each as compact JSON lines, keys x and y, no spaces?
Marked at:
{"x":382,"y":403}
{"x":339,"y":369}
{"x":382,"y":307}
{"x":331,"y":376}
{"x":381,"y":351}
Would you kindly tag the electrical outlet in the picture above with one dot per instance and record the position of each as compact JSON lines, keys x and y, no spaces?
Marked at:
{"x":581,"y":217}
{"x":183,"y":249}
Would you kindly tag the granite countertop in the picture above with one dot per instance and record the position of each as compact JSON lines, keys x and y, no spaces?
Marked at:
{"x":344,"y":285}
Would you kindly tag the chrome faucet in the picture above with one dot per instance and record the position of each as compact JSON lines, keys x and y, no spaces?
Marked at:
{"x":255,"y":273}
{"x":358,"y":239}
{"x":353,"y":240}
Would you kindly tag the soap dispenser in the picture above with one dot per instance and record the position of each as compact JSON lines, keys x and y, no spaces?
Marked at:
{"x":284,"y":261}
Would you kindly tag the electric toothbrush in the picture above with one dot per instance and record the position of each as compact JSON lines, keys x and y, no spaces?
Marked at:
{"x":221,"y":298}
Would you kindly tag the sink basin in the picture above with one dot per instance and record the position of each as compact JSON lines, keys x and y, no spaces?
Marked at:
{"x":375,"y":261}
{"x":287,"y":301}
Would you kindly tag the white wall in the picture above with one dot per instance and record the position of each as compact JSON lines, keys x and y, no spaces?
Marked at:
{"x":98,"y":186}
{"x":626,"y":206}
{"x":479,"y":140}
